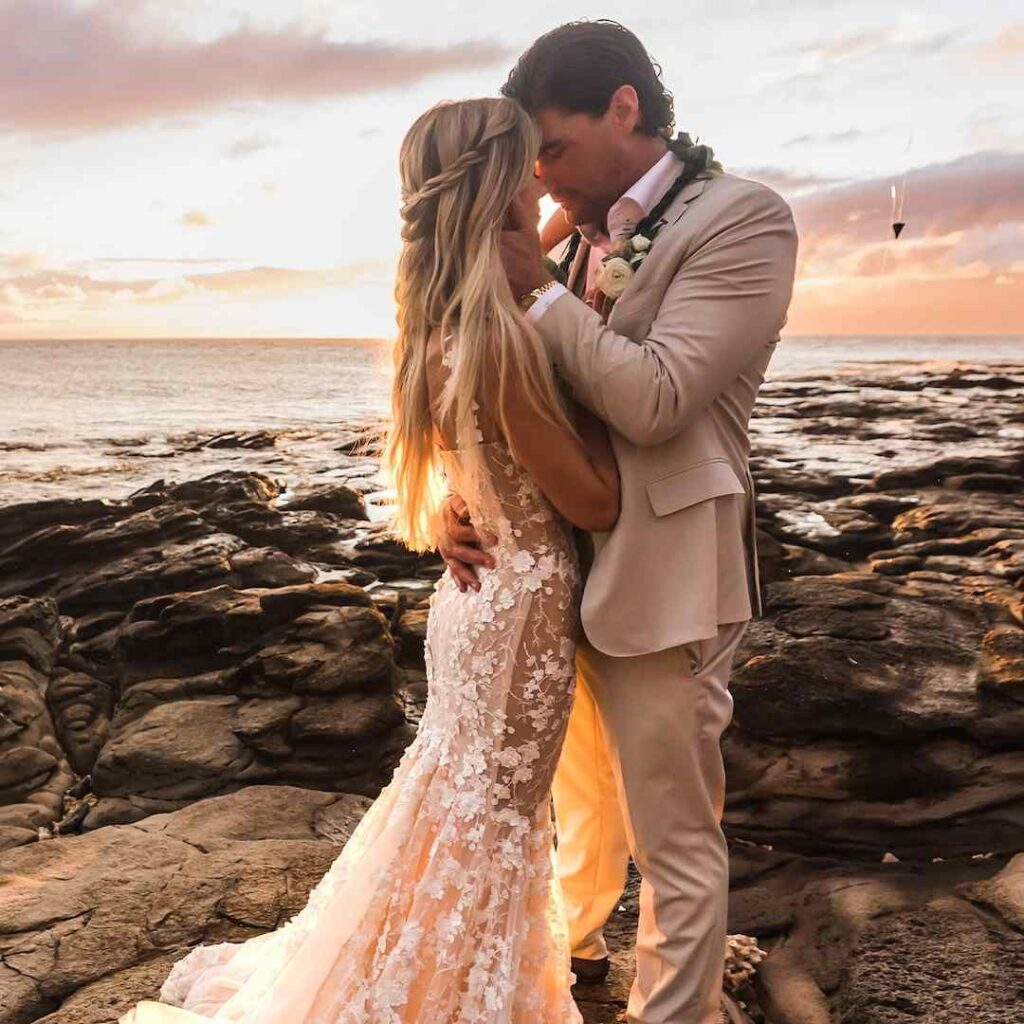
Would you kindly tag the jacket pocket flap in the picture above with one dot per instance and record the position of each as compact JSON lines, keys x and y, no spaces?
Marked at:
{"x":709,"y":479}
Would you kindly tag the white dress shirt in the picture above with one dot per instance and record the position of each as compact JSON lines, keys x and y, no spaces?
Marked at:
{"x":623,"y":217}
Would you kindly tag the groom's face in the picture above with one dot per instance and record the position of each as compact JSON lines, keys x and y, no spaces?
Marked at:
{"x":580,"y":160}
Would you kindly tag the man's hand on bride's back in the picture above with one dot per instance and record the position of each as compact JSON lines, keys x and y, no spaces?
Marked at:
{"x":460,"y":545}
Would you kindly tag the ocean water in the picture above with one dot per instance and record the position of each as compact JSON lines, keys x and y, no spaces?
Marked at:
{"x":102,"y":418}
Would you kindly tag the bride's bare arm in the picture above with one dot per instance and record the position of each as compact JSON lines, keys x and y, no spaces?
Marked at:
{"x":599,"y":451}
{"x":580,"y":480}
{"x":579,"y":477}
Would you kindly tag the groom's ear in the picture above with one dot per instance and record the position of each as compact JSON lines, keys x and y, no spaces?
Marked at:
{"x":624,"y":107}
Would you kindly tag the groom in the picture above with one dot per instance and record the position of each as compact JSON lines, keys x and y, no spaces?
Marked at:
{"x":672,"y":366}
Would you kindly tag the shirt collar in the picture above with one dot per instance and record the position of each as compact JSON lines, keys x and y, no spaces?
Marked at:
{"x":636,"y":202}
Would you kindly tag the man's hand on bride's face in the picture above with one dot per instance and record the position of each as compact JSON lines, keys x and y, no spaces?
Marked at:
{"x":460,"y":545}
{"x":520,"y":247}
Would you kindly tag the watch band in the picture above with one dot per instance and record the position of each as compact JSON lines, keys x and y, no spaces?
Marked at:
{"x":531,"y":297}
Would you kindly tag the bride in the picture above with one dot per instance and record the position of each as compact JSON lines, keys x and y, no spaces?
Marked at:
{"x":444,"y":906}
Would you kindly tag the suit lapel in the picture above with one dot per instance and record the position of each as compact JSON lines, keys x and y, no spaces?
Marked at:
{"x":577,"y":276}
{"x":671,"y":216}
{"x":678,"y":205}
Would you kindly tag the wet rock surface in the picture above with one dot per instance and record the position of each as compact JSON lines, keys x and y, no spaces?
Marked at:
{"x":871,"y":944}
{"x":91,"y":923}
{"x":225,"y":688}
{"x":191,"y":639}
{"x":190,"y":668}
{"x":34,"y":768}
{"x":877,"y":704}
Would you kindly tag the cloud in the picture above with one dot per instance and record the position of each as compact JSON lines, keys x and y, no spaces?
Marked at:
{"x":819,"y":62}
{"x":255,"y":300}
{"x":46,"y":287}
{"x":785,"y":181}
{"x":170,"y":289}
{"x":859,"y":44}
{"x":849,"y":46}
{"x":275,"y":280}
{"x":248,"y":145}
{"x":924,"y":259}
{"x":102,"y":260}
{"x":1006,"y":44}
{"x":19,"y":262}
{"x":955,"y":269}
{"x":66,"y":67}
{"x":973,"y":193}
{"x":828,"y":138}
{"x":939,"y":305}
{"x":195,"y":219}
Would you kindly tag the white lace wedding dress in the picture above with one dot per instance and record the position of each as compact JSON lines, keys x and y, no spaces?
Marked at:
{"x":444,"y":906}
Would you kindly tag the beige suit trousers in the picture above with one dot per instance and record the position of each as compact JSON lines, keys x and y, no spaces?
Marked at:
{"x":641,"y":774}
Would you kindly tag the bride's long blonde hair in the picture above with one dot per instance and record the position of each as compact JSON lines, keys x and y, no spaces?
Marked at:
{"x":461,"y":165}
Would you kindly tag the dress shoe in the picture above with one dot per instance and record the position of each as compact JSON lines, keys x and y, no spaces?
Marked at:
{"x":590,"y":970}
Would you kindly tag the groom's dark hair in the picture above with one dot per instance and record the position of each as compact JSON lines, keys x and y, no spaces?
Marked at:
{"x":577,"y":67}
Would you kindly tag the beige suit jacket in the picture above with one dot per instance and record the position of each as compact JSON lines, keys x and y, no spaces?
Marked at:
{"x":675,"y":373}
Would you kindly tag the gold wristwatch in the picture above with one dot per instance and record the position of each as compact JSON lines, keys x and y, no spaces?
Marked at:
{"x":531,"y":297}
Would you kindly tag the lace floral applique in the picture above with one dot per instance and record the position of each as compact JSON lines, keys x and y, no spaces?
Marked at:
{"x":444,"y":905}
{"x":448,"y":357}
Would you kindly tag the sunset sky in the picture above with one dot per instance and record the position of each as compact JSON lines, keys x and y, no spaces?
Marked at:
{"x":227,"y":168}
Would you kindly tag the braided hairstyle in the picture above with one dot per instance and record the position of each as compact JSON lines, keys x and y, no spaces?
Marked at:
{"x":461,"y":165}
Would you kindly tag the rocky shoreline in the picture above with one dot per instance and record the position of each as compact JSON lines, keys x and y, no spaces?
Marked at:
{"x":213,"y":662}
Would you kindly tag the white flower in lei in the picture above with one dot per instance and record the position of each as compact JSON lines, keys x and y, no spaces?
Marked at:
{"x":613,"y":276}
{"x":616,"y":270}
{"x":698,"y":162}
